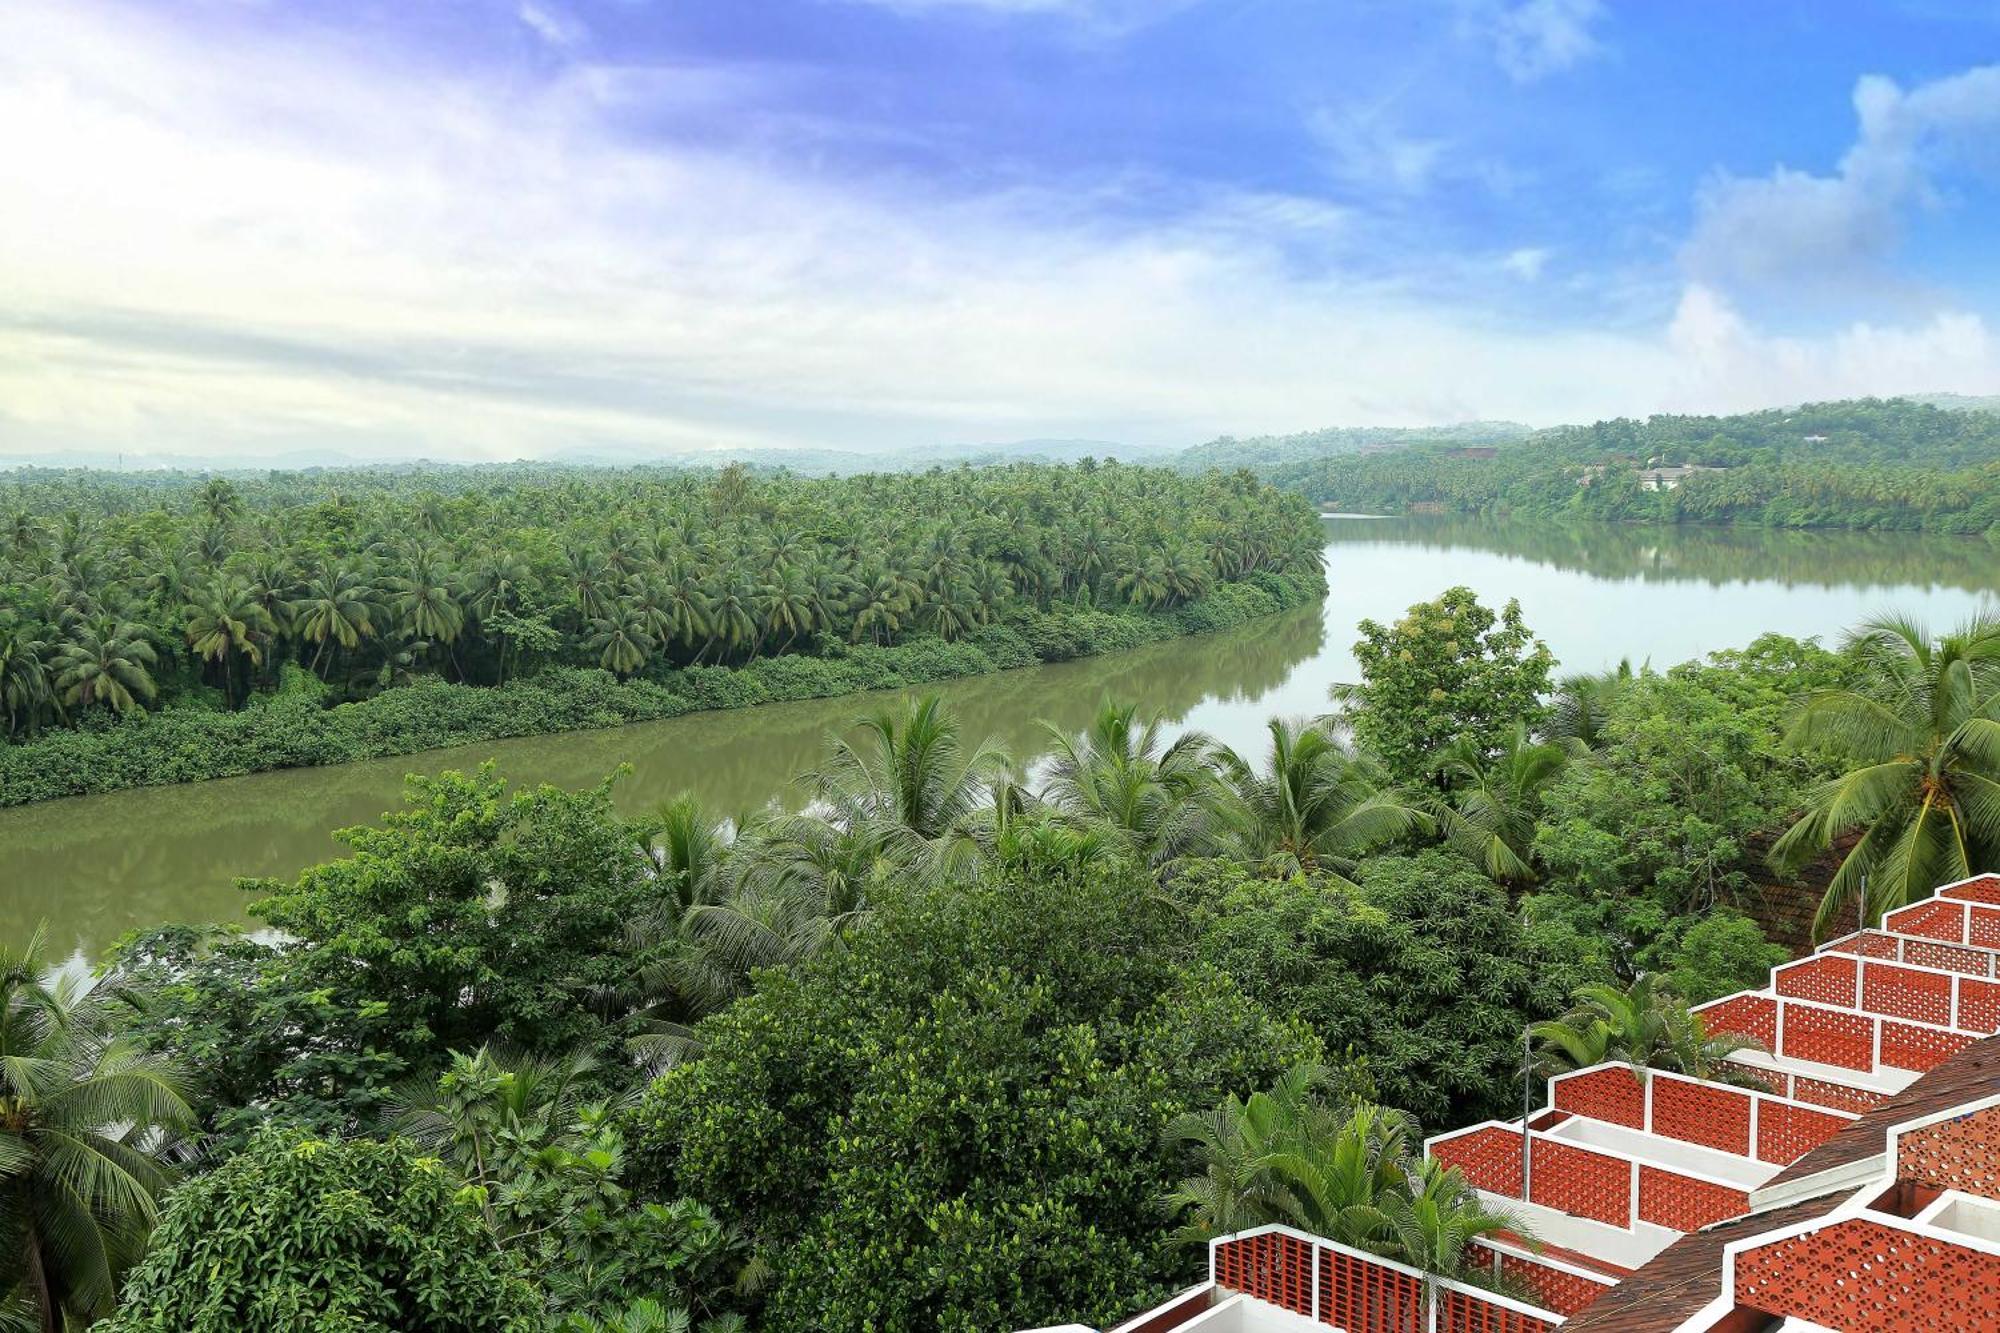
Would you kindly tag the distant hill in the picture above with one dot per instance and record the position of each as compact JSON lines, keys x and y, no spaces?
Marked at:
{"x":845,"y":462}
{"x":1864,"y":463}
{"x":1958,"y":402}
{"x":1263,"y":452}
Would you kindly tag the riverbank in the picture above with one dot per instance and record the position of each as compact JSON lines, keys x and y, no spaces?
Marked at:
{"x":293,"y":728}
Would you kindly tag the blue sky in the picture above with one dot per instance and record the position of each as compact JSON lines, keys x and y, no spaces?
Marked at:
{"x":499,"y":228}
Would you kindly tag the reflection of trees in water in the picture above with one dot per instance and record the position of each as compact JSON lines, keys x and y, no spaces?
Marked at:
{"x":1813,"y":558}
{"x":742,"y":759}
{"x":95,"y":865}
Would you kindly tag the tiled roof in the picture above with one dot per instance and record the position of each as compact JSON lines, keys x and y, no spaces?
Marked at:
{"x":1686,"y":1276}
{"x":1974,"y":1072}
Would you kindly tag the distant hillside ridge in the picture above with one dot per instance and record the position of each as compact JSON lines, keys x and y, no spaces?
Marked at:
{"x":1259,"y":452}
{"x":1958,"y":402}
{"x":1873,"y":463}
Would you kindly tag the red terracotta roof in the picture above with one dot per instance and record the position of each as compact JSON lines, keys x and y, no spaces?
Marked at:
{"x":1688,"y":1274}
{"x":1971,"y":1074}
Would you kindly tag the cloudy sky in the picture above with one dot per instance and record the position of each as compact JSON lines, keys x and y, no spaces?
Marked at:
{"x":505,"y":228}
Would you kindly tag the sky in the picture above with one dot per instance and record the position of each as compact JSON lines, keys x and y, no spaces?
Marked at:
{"x":493,"y":229}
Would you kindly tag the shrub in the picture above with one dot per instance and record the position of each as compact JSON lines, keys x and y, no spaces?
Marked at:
{"x":297,"y":1233}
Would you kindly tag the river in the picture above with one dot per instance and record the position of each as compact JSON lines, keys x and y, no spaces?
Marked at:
{"x":96,"y":866}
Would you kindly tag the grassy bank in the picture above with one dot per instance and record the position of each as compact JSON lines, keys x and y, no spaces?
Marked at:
{"x":295,"y":728}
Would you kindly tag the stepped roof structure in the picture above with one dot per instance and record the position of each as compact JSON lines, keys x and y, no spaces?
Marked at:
{"x":1846,"y":1177}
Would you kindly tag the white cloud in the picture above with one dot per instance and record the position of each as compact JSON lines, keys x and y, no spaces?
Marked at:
{"x":552,"y":25}
{"x":1794,"y":228}
{"x":1103,"y":17}
{"x":1537,"y":38}
{"x":236,"y":246}
{"x":1722,"y":363}
{"x":1371,"y":154}
{"x":1525,"y":263}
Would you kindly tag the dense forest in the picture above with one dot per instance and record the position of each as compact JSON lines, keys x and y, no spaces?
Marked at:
{"x":955,"y":1049}
{"x":1870,"y":463}
{"x":166,"y":627}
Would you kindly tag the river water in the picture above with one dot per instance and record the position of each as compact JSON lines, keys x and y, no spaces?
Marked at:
{"x":96,"y":866}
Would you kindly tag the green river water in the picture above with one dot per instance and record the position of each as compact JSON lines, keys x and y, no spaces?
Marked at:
{"x":96,"y":866}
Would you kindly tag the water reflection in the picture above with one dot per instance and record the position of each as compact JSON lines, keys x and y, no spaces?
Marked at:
{"x":1787,"y":557}
{"x":98,"y":865}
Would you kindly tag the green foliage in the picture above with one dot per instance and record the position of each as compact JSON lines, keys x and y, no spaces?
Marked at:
{"x":252,"y":1032}
{"x":294,"y":727}
{"x":130,"y":595}
{"x":907,"y":786}
{"x":954,"y":1123}
{"x":1869,"y":463}
{"x":1312,"y":806}
{"x":1492,"y":807}
{"x":298,"y":1234}
{"x":1347,"y":1170}
{"x":1448,"y":676}
{"x":86,"y":1116}
{"x":546,"y":1170}
{"x":472,"y":914}
{"x":1423,"y":970}
{"x":1647,"y":1025}
{"x":1154,"y":800}
{"x":1659,"y":824}
{"x":1919,"y":737}
{"x":1720,"y":954}
{"x":1263,"y":453}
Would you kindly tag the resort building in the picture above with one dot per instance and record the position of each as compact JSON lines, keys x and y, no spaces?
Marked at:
{"x":1669,"y":478}
{"x":1850,"y":1180}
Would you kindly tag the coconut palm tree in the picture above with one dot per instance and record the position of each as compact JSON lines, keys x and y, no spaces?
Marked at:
{"x":590,"y":582}
{"x":1314,"y":805}
{"x":732,"y":622}
{"x":26,"y":688}
{"x":496,"y":583}
{"x":85,"y":1117}
{"x":883,"y":603}
{"x":336,"y":607}
{"x":908,"y":786}
{"x":1493,"y":803}
{"x":784,"y":602}
{"x":1157,"y":801}
{"x":1922,"y":737}
{"x":105,"y":662}
{"x":950,"y":611}
{"x":1645,"y":1025}
{"x":620,"y":642}
{"x":221,"y":502}
{"x":822,"y":866}
{"x":426,"y":600}
{"x":224,"y":622}
{"x":1582,"y":706}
